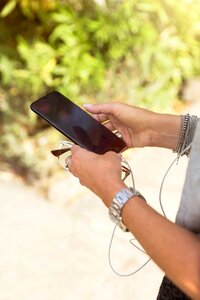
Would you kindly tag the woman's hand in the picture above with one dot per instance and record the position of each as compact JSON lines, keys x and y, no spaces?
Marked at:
{"x":100,"y":173}
{"x":139,"y":127}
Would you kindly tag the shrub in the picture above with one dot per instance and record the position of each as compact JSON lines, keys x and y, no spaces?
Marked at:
{"x":136,"y":51}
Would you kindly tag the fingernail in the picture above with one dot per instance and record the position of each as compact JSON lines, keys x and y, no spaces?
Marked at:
{"x":87,"y":105}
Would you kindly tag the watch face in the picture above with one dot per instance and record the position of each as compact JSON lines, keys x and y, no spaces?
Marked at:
{"x":123,"y":196}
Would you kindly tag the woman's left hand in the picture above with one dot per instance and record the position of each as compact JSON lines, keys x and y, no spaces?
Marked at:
{"x":100,"y":173}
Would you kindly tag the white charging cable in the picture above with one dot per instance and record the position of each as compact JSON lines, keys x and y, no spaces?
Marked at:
{"x":124,"y":161}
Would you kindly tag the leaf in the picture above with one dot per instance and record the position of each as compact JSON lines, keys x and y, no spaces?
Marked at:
{"x":8,"y":8}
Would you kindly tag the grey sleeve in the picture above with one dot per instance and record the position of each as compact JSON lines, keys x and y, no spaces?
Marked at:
{"x":188,"y":214}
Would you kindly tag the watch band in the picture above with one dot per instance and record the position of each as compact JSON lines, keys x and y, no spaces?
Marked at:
{"x":118,"y":203}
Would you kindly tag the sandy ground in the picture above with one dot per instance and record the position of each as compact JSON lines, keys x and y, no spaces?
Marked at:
{"x":50,"y":250}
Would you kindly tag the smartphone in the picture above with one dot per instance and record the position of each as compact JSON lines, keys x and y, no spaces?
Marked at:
{"x":76,"y":124}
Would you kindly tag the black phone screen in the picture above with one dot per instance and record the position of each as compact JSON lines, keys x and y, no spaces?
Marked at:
{"x":76,"y":124}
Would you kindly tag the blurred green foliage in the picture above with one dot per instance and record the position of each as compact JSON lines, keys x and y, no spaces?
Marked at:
{"x":137,"y":51}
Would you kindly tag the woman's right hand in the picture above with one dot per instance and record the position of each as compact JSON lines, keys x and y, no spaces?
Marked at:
{"x":139,"y":127}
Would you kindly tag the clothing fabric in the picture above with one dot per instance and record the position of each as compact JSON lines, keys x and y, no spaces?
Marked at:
{"x":188,"y":215}
{"x":168,"y":291}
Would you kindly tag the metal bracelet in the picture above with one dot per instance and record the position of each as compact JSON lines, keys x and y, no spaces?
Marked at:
{"x":188,"y":127}
{"x":184,"y":124}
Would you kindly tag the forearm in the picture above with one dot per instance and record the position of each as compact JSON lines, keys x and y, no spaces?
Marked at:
{"x":175,"y":250}
{"x":165,"y":131}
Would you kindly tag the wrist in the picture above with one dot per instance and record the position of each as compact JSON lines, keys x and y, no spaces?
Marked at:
{"x":119,"y":202}
{"x":111,"y":191}
{"x":166,"y":131}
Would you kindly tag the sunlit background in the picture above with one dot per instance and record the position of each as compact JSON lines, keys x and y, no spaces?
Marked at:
{"x":55,"y":233}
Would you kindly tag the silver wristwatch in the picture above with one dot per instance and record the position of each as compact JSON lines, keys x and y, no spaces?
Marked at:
{"x":117,"y":204}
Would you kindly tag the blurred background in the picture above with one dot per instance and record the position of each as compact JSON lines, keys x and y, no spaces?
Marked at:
{"x":141,"y":52}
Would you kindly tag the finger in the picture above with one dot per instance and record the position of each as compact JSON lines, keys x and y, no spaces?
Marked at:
{"x":77,"y":151}
{"x":104,"y":119}
{"x":101,"y":117}
{"x":105,"y":108}
{"x":109,"y":126}
{"x":68,"y":162}
{"x":101,"y":112}
{"x":75,"y":148}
